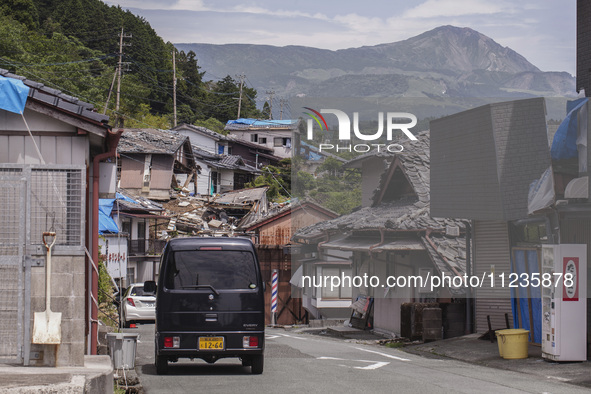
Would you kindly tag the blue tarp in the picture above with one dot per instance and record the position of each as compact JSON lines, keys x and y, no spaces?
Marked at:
{"x":106,"y":223}
{"x":564,"y":144}
{"x":13,"y":95}
{"x":125,"y":198}
{"x":312,"y":152}
{"x":262,"y":123}
{"x":526,"y":262}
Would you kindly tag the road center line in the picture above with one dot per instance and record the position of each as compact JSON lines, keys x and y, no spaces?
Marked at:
{"x":383,"y":354}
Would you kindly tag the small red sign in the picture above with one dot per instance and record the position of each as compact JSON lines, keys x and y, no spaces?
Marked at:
{"x":570,"y":279}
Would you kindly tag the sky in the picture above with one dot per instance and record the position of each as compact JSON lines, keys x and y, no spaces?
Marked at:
{"x":543,"y":31}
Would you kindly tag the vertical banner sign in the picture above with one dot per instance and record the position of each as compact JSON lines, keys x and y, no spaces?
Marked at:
{"x":570,"y":288}
{"x":274,"y":290}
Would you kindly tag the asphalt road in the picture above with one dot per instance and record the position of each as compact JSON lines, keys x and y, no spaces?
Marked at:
{"x":296,"y":363}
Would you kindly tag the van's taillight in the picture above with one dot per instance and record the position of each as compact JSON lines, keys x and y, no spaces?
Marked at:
{"x":130,"y":301}
{"x":172,"y":342}
{"x":248,"y":342}
{"x":210,"y":248}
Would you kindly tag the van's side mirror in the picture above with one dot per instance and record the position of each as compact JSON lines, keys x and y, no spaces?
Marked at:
{"x":149,"y":286}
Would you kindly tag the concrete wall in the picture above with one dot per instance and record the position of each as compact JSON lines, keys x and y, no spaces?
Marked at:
{"x":204,"y":142}
{"x":269,"y":135}
{"x":67,"y":297}
{"x":203,"y":179}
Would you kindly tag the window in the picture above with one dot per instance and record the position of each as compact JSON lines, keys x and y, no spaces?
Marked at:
{"x":280,"y":141}
{"x":345,"y":291}
{"x":130,"y":275}
{"x":126,"y":226}
{"x":254,"y":138}
{"x":220,"y":269}
{"x":263,"y":140}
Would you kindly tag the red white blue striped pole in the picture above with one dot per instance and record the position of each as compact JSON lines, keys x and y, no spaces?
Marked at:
{"x":274,"y":291}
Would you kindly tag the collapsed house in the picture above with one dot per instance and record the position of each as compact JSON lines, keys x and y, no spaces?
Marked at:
{"x":394,"y":236}
{"x":150,"y":159}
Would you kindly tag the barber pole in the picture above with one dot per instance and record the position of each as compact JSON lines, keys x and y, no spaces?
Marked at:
{"x":274,"y":291}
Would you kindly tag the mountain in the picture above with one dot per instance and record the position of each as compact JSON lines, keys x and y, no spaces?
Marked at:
{"x":444,"y":63}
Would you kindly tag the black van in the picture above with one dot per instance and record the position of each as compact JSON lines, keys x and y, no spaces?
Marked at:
{"x":209,"y":302}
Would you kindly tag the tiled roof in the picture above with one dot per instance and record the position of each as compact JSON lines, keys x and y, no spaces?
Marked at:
{"x":56,"y":98}
{"x":201,"y":130}
{"x":415,"y":162}
{"x":404,"y":215}
{"x":150,"y":141}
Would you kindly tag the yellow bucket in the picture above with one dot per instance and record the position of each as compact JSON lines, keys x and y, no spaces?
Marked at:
{"x":513,"y":343}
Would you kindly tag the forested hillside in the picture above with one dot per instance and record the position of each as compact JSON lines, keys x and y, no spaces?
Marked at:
{"x":73,"y":46}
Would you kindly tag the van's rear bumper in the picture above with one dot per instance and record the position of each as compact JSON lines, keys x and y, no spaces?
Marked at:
{"x":189,"y":344}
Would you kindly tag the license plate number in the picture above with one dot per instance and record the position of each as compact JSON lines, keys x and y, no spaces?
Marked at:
{"x":149,"y":304}
{"x":211,"y":343}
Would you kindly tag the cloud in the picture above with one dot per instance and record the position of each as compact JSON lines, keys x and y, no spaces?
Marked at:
{"x":457,"y":8}
{"x":541,"y":30}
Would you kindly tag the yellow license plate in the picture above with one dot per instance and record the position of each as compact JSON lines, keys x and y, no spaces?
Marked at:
{"x":211,"y":343}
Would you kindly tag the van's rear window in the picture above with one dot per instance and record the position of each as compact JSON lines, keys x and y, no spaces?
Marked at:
{"x":220,"y":269}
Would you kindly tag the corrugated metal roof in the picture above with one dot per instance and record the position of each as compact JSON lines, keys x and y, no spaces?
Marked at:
{"x":243,"y":196}
{"x":258,"y":124}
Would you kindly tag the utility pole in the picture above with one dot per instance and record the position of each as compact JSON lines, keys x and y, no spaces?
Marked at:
{"x":281,"y":102}
{"x":174,"y":85}
{"x":271,"y":93}
{"x":120,"y":64}
{"x":111,"y":90}
{"x":241,"y":76}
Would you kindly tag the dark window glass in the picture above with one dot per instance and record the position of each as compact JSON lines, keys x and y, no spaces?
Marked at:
{"x":137,"y":291}
{"x":220,"y":269}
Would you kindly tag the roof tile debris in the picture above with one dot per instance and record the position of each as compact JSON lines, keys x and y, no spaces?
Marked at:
{"x":403,"y":215}
{"x":150,"y":141}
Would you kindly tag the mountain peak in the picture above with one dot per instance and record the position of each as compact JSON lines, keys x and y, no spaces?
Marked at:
{"x":462,"y":49}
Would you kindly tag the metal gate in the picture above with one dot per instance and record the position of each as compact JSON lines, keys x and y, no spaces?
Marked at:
{"x":33,"y":199}
{"x":12,"y":272}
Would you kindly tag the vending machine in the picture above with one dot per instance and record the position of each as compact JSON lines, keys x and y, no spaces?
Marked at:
{"x":564,"y":302}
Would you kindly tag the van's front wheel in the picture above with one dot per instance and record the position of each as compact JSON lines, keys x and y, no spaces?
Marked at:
{"x":161,"y":365}
{"x":257,"y":364}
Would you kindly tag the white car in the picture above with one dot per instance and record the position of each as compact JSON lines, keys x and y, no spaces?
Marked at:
{"x":137,"y":306}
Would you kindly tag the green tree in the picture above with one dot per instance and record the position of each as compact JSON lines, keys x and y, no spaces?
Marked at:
{"x":212,"y":124}
{"x":224,"y":101}
{"x":266,"y":113}
{"x":23,"y":11}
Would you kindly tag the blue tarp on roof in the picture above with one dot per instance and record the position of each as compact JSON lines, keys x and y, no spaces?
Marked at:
{"x":106,"y":223}
{"x":124,"y":198}
{"x":262,"y":123}
{"x":310,"y":152}
{"x":564,"y":144}
{"x":13,"y":95}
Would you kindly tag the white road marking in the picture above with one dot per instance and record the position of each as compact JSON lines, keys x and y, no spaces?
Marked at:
{"x":559,"y":378}
{"x":373,"y":364}
{"x":271,"y":336}
{"x":383,"y":354}
{"x":291,"y":336}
